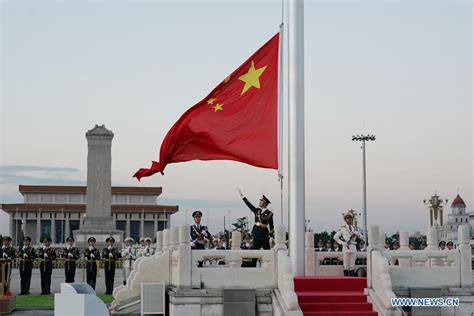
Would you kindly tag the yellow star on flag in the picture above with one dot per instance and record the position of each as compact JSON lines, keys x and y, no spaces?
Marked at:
{"x":211,"y":101}
{"x":251,"y":78}
{"x":217,"y":107}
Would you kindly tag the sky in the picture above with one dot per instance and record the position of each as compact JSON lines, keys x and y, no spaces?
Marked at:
{"x":401,"y":70}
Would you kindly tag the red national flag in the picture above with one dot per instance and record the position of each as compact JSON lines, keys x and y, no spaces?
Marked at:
{"x":236,"y":121}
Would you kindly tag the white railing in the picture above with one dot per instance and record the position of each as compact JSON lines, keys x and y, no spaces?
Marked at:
{"x":324,"y":262}
{"x":389,"y":270}
{"x":381,"y":279}
{"x":230,"y":274}
{"x":177,"y":265}
{"x":146,"y":269}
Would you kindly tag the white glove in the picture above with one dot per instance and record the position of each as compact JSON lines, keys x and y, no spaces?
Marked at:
{"x":90,"y":247}
{"x":240,"y":192}
{"x":5,"y":255}
{"x":92,"y":256}
{"x":110,"y":255}
{"x":69,"y":255}
{"x":25,"y":255}
{"x":46,"y":255}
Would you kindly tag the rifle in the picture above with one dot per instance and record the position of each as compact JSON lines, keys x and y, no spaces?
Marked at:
{"x":7,"y":281}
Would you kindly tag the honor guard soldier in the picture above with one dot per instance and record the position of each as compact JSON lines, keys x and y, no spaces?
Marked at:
{"x":129,"y":254}
{"x":199,"y":233}
{"x":70,"y":254}
{"x":347,"y":237}
{"x":263,"y":227}
{"x":26,"y":255}
{"x":46,"y":255}
{"x":110,"y":256}
{"x":142,"y":247}
{"x":92,"y":254}
{"x":7,"y":254}
{"x":147,"y":251}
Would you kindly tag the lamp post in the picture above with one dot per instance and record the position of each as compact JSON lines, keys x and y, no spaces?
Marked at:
{"x":363,"y":139}
{"x":435,"y":205}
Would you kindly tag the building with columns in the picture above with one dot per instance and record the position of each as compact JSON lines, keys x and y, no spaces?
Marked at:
{"x":56,"y":211}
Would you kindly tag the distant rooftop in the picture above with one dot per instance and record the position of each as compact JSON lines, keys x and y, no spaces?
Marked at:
{"x":82,"y":189}
{"x":458,"y":201}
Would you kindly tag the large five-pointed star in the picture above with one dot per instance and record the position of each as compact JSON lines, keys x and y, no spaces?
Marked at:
{"x":251,"y":78}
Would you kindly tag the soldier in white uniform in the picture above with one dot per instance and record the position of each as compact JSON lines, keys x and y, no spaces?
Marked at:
{"x":129,"y":254}
{"x":147,"y":250}
{"x":142,"y":247}
{"x":347,"y":237}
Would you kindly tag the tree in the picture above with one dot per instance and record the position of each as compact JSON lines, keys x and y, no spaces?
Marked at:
{"x":324,"y":236}
{"x":241,"y":225}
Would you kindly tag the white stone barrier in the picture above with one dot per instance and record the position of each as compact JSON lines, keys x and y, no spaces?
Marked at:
{"x":309,"y":254}
{"x":322,"y":262}
{"x":177,"y":265}
{"x":222,"y":269}
{"x":404,"y":268}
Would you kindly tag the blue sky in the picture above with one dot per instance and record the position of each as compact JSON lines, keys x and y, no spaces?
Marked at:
{"x":399,"y":69}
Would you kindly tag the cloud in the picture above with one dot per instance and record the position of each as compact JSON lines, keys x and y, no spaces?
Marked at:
{"x":20,"y":174}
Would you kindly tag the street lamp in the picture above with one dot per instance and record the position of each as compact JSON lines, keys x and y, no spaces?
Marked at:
{"x":435,"y":205}
{"x":363,"y":139}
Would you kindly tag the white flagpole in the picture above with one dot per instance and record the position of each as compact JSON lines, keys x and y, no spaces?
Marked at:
{"x":280,"y":119}
{"x":296,"y":177}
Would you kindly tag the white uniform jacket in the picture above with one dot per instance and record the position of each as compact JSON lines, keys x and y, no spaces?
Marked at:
{"x":346,"y":236}
{"x":146,"y":252}
{"x":129,"y":254}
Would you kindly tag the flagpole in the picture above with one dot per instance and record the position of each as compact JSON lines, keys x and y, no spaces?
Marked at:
{"x":280,"y":120}
{"x":296,"y":177}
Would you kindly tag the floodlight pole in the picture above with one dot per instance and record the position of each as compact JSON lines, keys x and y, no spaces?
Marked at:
{"x":364,"y":193}
{"x":364,"y":138}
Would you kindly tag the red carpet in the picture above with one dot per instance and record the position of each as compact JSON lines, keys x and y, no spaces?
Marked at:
{"x":333,"y":296}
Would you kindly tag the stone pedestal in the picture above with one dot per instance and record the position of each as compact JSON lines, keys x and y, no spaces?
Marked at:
{"x":98,"y":221}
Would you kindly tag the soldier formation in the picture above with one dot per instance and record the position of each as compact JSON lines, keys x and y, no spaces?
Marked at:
{"x":46,"y":256}
{"x":93,"y":258}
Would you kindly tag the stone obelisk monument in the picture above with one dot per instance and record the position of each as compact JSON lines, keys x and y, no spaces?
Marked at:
{"x":98,"y":221}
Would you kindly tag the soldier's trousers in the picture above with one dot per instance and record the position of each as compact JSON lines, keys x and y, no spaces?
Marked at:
{"x":109,"y":277}
{"x":25,"y":277}
{"x":46,"y":269}
{"x":348,"y":260}
{"x":91,"y":273}
{"x":70,"y":270}
{"x":6,"y":275}
{"x":259,"y":242}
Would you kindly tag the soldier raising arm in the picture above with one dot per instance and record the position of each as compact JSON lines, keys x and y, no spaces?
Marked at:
{"x":263,"y":227}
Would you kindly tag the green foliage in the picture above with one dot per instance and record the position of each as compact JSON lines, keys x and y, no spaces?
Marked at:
{"x":324,"y":236}
{"x":241,"y":225}
{"x":26,"y":302}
